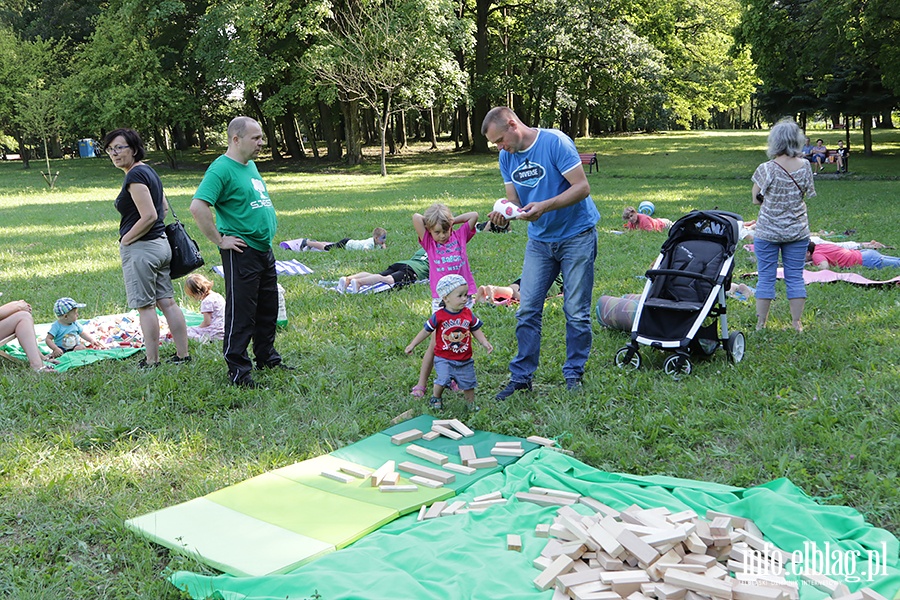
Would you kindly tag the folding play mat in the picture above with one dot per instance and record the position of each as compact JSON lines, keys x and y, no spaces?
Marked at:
{"x":121,"y":333}
{"x":292,"y":516}
{"x":282,"y":268}
{"x":829,"y":276}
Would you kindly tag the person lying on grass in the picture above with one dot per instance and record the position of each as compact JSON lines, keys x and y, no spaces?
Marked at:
{"x":831,"y":255}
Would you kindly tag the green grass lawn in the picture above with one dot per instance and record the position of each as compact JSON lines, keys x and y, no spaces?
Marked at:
{"x":82,"y":452}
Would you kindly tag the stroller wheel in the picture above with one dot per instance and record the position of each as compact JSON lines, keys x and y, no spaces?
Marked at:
{"x":623,"y":360}
{"x":735,"y":346}
{"x":676,"y":366}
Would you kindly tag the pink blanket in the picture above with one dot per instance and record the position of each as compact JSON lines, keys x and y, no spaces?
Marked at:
{"x":827,"y":276}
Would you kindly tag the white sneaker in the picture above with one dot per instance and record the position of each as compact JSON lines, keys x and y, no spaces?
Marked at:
{"x":353,"y":287}
{"x":342,"y":285}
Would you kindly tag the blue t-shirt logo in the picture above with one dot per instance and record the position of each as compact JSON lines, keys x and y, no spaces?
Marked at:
{"x":528,"y":174}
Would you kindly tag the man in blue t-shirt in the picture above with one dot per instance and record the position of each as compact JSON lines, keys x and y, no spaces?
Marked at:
{"x":543,"y":175}
{"x":243,"y":231}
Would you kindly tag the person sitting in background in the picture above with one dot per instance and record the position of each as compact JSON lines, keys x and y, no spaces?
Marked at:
{"x":819,"y":155}
{"x":378,"y":240}
{"x":842,"y":155}
{"x":831,"y":255}
{"x":635,"y":220}
{"x":66,"y":333}
{"x":807,"y":150}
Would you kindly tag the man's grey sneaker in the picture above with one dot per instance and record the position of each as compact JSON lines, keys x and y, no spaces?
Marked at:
{"x":511,"y":388}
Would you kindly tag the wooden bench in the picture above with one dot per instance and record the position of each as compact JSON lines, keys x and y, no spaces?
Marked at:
{"x":590,"y":159}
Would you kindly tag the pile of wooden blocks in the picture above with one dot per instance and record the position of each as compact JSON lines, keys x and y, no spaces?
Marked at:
{"x":641,"y":554}
{"x":458,"y":507}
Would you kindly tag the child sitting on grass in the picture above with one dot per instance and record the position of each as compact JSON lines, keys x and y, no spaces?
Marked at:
{"x":212,"y":307}
{"x":378,"y":240}
{"x":453,"y":326}
{"x":65,"y":333}
{"x":635,"y":220}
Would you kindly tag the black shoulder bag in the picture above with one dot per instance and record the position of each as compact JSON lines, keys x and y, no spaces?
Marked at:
{"x":185,"y":252}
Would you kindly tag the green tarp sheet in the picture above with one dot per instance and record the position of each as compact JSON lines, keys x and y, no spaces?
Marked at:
{"x":465,"y":556}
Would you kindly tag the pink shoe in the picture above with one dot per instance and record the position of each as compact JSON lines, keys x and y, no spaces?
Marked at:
{"x":417,"y":391}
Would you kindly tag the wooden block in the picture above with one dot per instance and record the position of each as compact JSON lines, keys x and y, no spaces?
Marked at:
{"x":486,"y":503}
{"x":507,"y":444}
{"x":429,"y":472}
{"x":430,"y":435}
{"x":495,"y":451}
{"x":564,"y":582}
{"x":542,"y":530}
{"x":434,"y":511}
{"x":514,"y":542}
{"x":612,"y":526}
{"x":699,"y":559}
{"x":542,"y":499}
{"x":612,"y":577}
{"x":645,"y":553}
{"x":336,"y":476}
{"x":541,"y":441}
{"x":447,"y":432}
{"x":552,"y":492}
{"x":541,"y":562}
{"x":487,"y":462}
{"x":820,"y":582}
{"x":424,"y":481}
{"x":574,"y":527}
{"x":746,"y":591}
{"x":667,"y":591}
{"x":453,"y":508}
{"x":662,"y":537}
{"x":699,"y":583}
{"x":404,"y":416}
{"x":379,"y":473}
{"x":441,"y":422}
{"x":608,"y":563}
{"x":588,"y":590}
{"x":461,"y":469}
{"x":662,"y":567}
{"x":355,"y":471}
{"x":466,"y":453}
{"x":681,"y":517}
{"x":461,"y":428}
{"x":720,"y":526}
{"x":695,"y":544}
{"x":558,"y":595}
{"x":605,"y":540}
{"x":717,"y":571}
{"x":561,"y":565}
{"x":637,"y":596}
{"x":426,"y":454}
{"x":598,"y":507}
{"x":406,"y":437}
{"x":398,"y":488}
{"x":392,"y":478}
{"x":734,"y":520}
{"x":870,"y":594}
{"x":491,"y":496}
{"x":574,"y":550}
{"x":561,"y":533}
{"x":551,"y":548}
{"x":422,"y":510}
{"x":626,"y":589}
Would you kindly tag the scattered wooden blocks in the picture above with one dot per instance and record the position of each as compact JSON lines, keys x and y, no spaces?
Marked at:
{"x":541,"y":441}
{"x":461,"y":469}
{"x":452,"y":508}
{"x":504,"y":451}
{"x":426,"y":454}
{"x":434,"y":511}
{"x":483,"y":463}
{"x":429,"y":472}
{"x":406,"y":437}
{"x":426,"y":482}
{"x":379,"y":473}
{"x":543,"y":499}
{"x":514,"y":542}
{"x":358,"y":472}
{"x":446,"y":432}
{"x":337,"y":476}
{"x":430,"y":435}
{"x":466,"y":453}
{"x":461,"y":427}
{"x":561,"y":565}
{"x":398,"y":488}
{"x":391,"y":478}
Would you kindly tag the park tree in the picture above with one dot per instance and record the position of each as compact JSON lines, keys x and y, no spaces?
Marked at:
{"x":389,"y":57}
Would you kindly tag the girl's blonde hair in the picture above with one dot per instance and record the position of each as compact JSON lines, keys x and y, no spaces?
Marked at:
{"x":438,"y":215}
{"x":197,"y":286}
{"x":628,"y":213}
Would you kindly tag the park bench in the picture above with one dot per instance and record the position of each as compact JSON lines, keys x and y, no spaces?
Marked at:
{"x":590,"y":159}
{"x":831,"y":159}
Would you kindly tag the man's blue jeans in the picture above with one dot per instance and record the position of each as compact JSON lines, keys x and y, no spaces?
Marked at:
{"x":573,"y":257}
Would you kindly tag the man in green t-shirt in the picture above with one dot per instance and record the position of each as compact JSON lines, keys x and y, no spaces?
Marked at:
{"x":243,"y":229}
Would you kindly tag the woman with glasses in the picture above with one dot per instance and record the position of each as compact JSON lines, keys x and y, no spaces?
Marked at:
{"x":143,"y":246}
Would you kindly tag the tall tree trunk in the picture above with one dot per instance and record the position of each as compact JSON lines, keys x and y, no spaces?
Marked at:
{"x":428,"y":118}
{"x":383,"y":126}
{"x":329,"y":131}
{"x":352,"y":132}
{"x":482,"y":102}
{"x":887,"y":121}
{"x":401,"y":130}
{"x":867,"y":134}
{"x":289,"y":130}
{"x":392,"y":127}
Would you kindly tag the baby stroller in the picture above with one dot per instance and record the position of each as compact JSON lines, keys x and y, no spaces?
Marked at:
{"x":685,"y":294}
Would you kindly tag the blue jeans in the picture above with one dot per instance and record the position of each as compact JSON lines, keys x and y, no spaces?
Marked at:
{"x":873,"y":259}
{"x":574,"y":258}
{"x":793,"y":257}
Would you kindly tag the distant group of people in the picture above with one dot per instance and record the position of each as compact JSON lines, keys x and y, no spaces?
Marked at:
{"x":818,"y":155}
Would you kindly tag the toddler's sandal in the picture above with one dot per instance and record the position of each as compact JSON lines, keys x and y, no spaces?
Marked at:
{"x":418,"y":391}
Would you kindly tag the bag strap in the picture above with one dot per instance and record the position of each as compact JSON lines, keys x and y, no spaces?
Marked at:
{"x":177,"y":220}
{"x":802,"y":193}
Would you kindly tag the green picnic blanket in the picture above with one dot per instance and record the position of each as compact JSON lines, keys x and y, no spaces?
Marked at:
{"x":465,"y":556}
